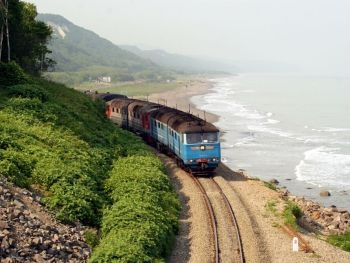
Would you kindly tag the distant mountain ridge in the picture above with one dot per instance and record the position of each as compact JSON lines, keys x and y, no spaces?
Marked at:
{"x":75,"y":48}
{"x":181,"y":62}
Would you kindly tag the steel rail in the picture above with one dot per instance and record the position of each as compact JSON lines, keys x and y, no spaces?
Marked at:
{"x":234,"y":222}
{"x":212,"y":219}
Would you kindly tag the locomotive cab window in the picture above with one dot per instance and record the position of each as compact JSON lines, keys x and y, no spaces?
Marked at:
{"x":211,"y":137}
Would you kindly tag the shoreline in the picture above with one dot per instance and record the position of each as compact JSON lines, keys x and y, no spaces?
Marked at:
{"x":180,"y":98}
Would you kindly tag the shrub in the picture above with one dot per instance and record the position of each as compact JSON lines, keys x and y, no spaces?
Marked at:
{"x":29,"y":91}
{"x":12,"y":74}
{"x":291,"y":213}
{"x":91,"y":237}
{"x":270,"y":185}
{"x":73,"y":202}
{"x":144,"y":215}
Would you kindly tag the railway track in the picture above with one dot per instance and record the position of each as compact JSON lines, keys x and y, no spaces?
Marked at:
{"x":227,"y":244}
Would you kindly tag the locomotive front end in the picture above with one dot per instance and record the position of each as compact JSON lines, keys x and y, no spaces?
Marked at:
{"x":202,"y":151}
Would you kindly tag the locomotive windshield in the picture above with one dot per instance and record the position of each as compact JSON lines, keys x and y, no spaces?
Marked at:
{"x":210,"y":137}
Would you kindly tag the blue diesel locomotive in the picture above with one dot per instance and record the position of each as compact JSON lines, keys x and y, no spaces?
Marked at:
{"x":192,"y":141}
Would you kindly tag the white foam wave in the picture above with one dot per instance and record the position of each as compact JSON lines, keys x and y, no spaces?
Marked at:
{"x":323,"y":166}
{"x":271,"y":121}
{"x":252,"y":115}
{"x":332,"y":129}
{"x":246,"y":141}
{"x":262,"y":128}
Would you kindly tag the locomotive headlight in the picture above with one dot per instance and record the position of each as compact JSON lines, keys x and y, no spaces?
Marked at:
{"x":202,"y":147}
{"x":215,"y":159}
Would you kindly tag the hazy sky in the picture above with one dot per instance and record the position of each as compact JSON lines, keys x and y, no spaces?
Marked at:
{"x":313,"y":34}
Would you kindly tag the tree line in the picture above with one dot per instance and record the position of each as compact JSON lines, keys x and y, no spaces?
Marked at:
{"x":23,"y":39}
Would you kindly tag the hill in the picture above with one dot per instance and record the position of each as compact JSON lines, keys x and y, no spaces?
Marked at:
{"x":75,"y":48}
{"x":86,"y":56}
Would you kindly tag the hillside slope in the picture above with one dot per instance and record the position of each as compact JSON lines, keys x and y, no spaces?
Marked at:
{"x":57,"y":143}
{"x":75,"y":48}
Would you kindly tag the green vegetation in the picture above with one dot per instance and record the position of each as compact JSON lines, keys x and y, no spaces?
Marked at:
{"x":83,"y":56}
{"x":342,"y":241}
{"x":91,"y":238}
{"x":291,"y":213}
{"x":143,"y":215}
{"x":283,"y":213}
{"x":25,"y":39}
{"x":271,"y":207}
{"x":270,"y":185}
{"x":57,"y":141}
{"x":132,"y":89}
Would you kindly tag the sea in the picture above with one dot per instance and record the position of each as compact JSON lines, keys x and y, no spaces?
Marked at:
{"x":290,"y":127}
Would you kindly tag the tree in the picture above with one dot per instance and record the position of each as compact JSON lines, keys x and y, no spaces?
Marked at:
{"x":4,"y":24}
{"x":29,"y":38}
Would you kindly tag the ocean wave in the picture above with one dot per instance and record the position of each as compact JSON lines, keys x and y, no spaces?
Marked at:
{"x":325,"y":167}
{"x":262,"y":128}
{"x":332,"y":129}
{"x":246,"y":141}
{"x":271,"y":121}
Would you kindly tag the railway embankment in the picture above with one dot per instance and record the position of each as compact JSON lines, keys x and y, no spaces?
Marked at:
{"x":315,"y":217}
{"x":320,"y":219}
{"x":29,"y":233}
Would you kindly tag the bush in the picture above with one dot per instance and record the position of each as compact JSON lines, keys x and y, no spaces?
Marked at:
{"x":91,"y":237}
{"x":12,"y":74}
{"x":291,"y":213}
{"x":29,"y":91}
{"x":144,"y":215}
{"x":74,"y":202}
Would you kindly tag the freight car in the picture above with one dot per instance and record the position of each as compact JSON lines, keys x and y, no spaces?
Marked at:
{"x":192,"y":141}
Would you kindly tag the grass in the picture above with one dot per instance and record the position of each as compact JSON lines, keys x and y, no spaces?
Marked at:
{"x":290,"y":215}
{"x":137,"y":88}
{"x":341,"y":241}
{"x":141,"y":89}
{"x":271,"y":207}
{"x":286,"y":213}
{"x":131,"y":89}
{"x":270,"y":185}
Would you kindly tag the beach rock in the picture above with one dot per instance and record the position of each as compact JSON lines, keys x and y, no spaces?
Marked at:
{"x":274,"y":181}
{"x":284,"y":193}
{"x":319,"y":219}
{"x":325,"y":193}
{"x":29,"y":233}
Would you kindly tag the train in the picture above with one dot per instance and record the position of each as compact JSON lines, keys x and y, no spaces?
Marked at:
{"x":193,"y":142}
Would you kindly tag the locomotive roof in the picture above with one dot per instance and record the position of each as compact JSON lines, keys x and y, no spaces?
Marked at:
{"x":183,"y":122}
{"x":180,"y":121}
{"x":120,"y":102}
{"x":108,"y":96}
{"x":144,"y":106}
{"x":104,"y":96}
